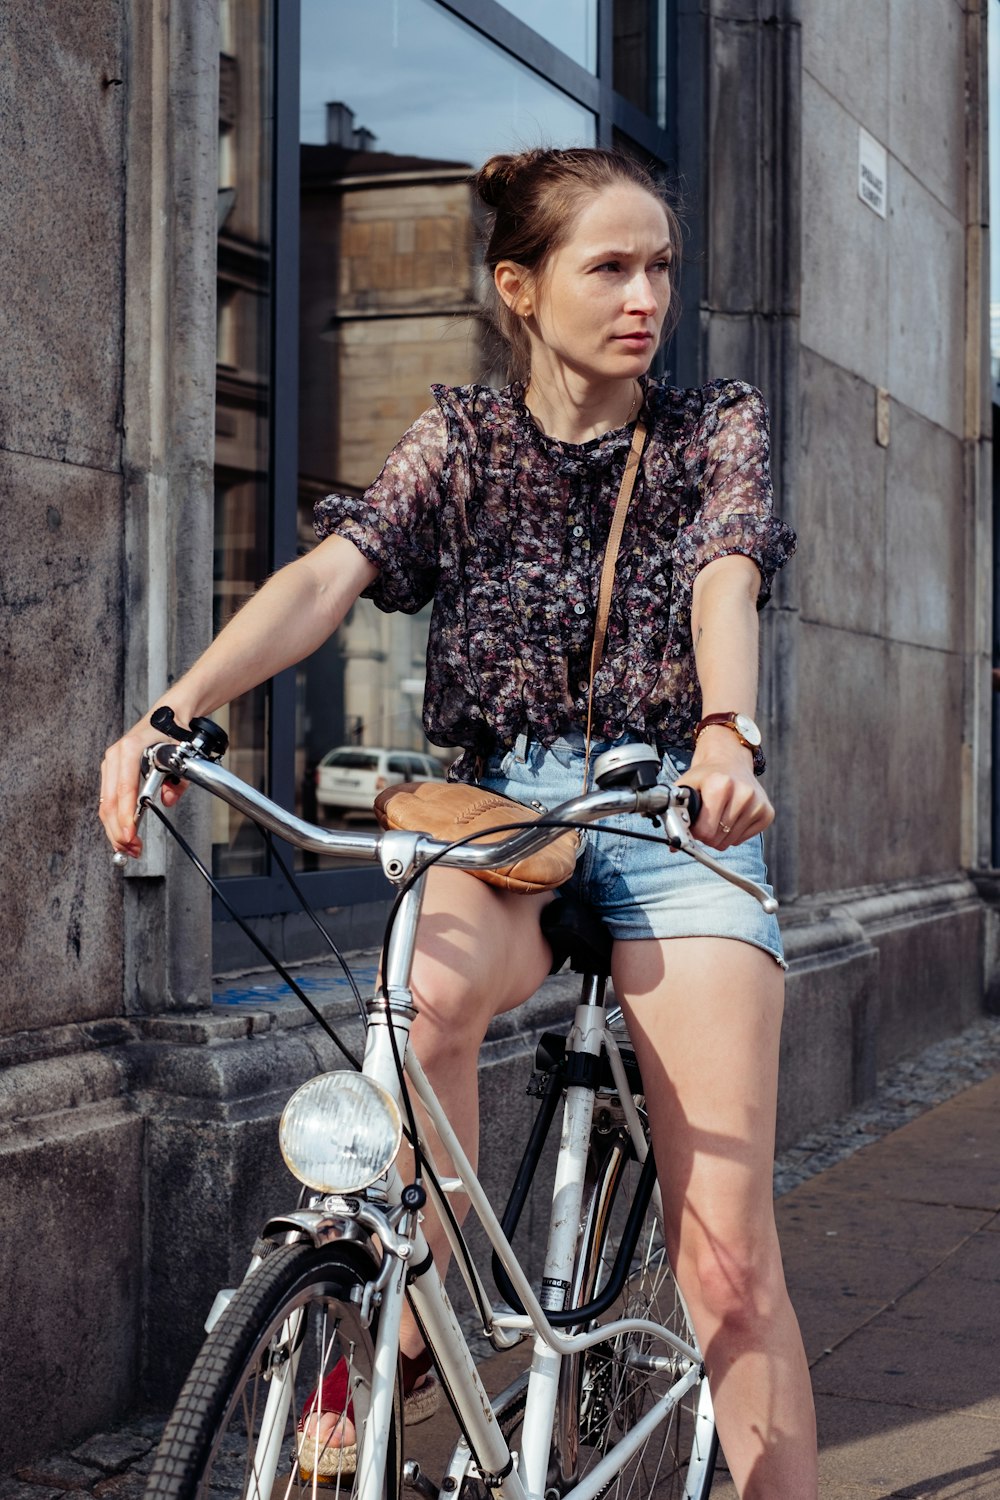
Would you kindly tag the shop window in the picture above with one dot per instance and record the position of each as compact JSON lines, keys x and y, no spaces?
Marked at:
{"x":390,"y":294}
{"x":570,"y":25}
{"x":349,"y":280}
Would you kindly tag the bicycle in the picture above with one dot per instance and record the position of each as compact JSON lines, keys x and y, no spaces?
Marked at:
{"x":616,"y":1401}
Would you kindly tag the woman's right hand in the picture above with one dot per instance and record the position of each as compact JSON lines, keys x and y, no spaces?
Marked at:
{"x":292,"y":614}
{"x":120,"y":780}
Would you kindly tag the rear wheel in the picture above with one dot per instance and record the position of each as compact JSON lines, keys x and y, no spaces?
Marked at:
{"x":606,"y":1390}
{"x":234,"y":1433}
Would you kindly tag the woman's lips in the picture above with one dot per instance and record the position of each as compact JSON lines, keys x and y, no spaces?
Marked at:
{"x":639,"y":339}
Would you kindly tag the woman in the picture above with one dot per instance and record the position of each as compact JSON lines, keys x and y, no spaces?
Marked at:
{"x":497,"y":505}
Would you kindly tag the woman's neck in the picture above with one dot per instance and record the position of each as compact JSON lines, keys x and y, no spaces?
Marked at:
{"x":577,"y":416}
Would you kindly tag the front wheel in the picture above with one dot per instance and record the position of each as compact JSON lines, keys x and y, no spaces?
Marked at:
{"x":607,"y":1389}
{"x":235,"y":1431}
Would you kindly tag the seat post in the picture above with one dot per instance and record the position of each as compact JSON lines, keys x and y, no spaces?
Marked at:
{"x":593,"y":988}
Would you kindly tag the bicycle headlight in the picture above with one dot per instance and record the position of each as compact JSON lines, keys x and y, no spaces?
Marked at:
{"x":339,"y":1132}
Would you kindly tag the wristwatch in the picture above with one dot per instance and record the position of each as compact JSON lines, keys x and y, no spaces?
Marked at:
{"x":745,"y":730}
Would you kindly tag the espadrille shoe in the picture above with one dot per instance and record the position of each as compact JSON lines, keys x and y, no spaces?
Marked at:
{"x":333,"y":1462}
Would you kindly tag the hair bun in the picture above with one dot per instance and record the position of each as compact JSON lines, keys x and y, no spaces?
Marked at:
{"x":497,"y":177}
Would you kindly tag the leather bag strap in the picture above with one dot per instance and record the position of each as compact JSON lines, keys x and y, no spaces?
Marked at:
{"x":607,"y":584}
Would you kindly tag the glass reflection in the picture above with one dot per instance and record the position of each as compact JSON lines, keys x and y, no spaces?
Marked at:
{"x":399,"y":102}
{"x":426,"y":84}
{"x":242,"y":411}
{"x":639,"y":68}
{"x":570,"y":25}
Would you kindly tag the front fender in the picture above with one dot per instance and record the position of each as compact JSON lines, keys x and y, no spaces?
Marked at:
{"x":312,"y":1226}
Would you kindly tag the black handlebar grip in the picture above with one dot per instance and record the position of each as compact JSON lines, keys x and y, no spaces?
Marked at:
{"x":163,"y":720}
{"x":214,"y":739}
{"x":693,"y":804}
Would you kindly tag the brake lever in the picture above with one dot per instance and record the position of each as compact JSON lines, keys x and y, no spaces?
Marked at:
{"x":152,"y":780}
{"x":688,"y":845}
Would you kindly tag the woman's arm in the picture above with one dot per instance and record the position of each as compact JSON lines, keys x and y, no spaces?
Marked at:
{"x":725,"y":633}
{"x":287,"y":619}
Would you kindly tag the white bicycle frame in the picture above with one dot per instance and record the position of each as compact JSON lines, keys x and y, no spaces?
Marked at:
{"x":445,"y":1338}
{"x":396,"y":1228}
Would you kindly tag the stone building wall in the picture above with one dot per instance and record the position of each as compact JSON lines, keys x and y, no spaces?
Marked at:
{"x":137,"y":1143}
{"x":865,"y":334}
{"x":892,"y":745}
{"x":70,"y":1145}
{"x":109,"y":113}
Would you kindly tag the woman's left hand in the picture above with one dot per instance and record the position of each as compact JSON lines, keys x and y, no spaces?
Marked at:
{"x":734,"y":805}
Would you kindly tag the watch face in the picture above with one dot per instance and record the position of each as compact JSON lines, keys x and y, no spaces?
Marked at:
{"x":748,"y":729}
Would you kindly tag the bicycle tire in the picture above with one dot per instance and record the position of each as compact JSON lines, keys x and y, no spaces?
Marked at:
{"x":604,"y":1390}
{"x":292,"y":1319}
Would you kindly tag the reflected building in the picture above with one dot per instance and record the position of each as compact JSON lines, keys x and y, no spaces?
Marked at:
{"x":242,"y":554}
{"x":387,"y":306}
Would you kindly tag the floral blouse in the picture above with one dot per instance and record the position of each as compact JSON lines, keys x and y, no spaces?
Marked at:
{"x":504,"y":529}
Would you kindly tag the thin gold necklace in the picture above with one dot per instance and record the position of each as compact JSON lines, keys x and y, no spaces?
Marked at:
{"x":633,"y":404}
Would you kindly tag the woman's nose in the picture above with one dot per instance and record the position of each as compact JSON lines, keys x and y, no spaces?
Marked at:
{"x":640,"y":294}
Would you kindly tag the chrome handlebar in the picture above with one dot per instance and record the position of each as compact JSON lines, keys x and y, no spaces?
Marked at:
{"x":399,"y":853}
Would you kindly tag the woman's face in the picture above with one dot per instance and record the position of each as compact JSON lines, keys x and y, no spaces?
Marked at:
{"x":597,"y":307}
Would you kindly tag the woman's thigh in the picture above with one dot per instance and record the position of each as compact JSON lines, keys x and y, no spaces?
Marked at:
{"x":480,"y":950}
{"x":705,"y":1018}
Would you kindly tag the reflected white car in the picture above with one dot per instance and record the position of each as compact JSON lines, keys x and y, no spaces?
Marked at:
{"x":351,"y":777}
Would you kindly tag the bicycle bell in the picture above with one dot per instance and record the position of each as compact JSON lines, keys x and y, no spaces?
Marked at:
{"x":635,"y":766}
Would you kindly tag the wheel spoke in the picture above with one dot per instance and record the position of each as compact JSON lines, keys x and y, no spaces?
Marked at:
{"x":234,"y":1434}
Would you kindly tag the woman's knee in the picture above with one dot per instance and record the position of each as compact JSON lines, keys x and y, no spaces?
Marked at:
{"x":453,"y":1009}
{"x":479,"y":952}
{"x":737,"y":1283}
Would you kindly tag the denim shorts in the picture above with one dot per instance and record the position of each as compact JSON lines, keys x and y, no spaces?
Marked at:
{"x":641,"y":890}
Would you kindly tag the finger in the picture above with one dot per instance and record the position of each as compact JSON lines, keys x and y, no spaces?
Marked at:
{"x":733,"y":815}
{"x":118,"y":798}
{"x":738,"y":825}
{"x":107,"y":807}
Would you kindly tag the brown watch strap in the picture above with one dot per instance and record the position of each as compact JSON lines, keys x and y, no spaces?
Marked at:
{"x":728,"y":721}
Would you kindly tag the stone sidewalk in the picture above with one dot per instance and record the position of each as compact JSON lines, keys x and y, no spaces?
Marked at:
{"x":893,"y":1262}
{"x":890,"y":1225}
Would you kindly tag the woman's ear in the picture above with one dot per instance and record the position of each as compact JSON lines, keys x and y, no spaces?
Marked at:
{"x":512,"y":283}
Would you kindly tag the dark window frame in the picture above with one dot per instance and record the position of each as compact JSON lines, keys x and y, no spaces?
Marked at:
{"x":267,"y":894}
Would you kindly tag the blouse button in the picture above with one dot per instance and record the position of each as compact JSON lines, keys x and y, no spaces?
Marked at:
{"x":579,"y":609}
{"x":578,"y":531}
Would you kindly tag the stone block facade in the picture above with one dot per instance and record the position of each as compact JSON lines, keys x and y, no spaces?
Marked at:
{"x":137,"y":1127}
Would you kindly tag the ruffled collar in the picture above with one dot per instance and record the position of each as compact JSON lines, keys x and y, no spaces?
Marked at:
{"x":606,"y":447}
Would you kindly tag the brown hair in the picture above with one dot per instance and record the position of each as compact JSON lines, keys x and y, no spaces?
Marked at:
{"x":534,"y":198}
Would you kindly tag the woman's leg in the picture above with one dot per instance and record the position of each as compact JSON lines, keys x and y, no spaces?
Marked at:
{"x":480,"y":952}
{"x":705,"y":1018}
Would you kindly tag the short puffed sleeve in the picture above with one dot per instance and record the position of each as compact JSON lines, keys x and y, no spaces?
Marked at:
{"x":728,"y":464}
{"x":394,"y":524}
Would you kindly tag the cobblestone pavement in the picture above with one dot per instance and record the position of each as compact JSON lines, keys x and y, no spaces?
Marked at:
{"x":904,"y":1091}
{"x":113,"y":1465}
{"x":109,"y":1464}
